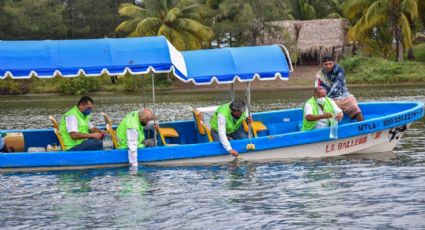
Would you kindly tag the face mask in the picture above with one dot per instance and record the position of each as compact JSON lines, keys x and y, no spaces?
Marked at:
{"x":87,"y":112}
{"x":320,"y":100}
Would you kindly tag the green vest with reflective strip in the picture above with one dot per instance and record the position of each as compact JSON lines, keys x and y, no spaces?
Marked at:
{"x":327,"y":107}
{"x":130,"y":121}
{"x":83,"y":127}
{"x":231,"y":124}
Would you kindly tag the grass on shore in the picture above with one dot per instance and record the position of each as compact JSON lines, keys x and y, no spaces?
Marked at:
{"x":362,"y":70}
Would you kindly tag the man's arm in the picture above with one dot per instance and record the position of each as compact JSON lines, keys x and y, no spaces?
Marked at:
{"x":308,"y":111}
{"x":339,"y":79}
{"x":72,"y":129}
{"x":223,"y":137}
{"x":132,"y":143}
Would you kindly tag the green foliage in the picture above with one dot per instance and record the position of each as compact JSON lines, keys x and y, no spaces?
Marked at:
{"x":419,"y":52}
{"x":9,"y":86}
{"x":372,"y":14}
{"x":178,"y":21}
{"x":78,"y":85}
{"x":29,"y":19}
{"x":363,"y":70}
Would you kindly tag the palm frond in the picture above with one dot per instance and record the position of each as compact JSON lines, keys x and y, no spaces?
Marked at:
{"x":410,"y":7}
{"x":148,"y":26}
{"x":132,"y":11}
{"x":128,"y":26}
{"x":407,"y":33}
{"x":172,"y":15}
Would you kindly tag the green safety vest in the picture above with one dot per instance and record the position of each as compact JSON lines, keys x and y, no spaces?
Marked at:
{"x":83,"y":127}
{"x":327,"y":107}
{"x":231,"y":124}
{"x":130,"y":121}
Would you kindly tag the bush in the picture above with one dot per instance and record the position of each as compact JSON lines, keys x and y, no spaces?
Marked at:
{"x":79,"y":85}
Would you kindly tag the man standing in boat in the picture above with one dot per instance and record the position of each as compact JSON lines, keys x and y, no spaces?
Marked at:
{"x":332,"y":78}
{"x":227,"y":121}
{"x":130,"y":133}
{"x":319,"y":109}
{"x":77,"y":132}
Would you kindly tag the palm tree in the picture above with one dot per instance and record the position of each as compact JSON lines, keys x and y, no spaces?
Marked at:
{"x":178,"y":21}
{"x":373,"y":13}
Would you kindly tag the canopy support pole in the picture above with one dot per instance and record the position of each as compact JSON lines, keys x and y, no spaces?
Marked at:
{"x":232,"y":92}
{"x":153,"y":108}
{"x":249,"y":146}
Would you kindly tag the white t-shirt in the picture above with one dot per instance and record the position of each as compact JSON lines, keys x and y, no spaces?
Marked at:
{"x":322,"y":123}
{"x":72,"y":124}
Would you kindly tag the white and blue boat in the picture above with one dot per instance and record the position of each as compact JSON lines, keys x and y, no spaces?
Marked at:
{"x":384,"y":124}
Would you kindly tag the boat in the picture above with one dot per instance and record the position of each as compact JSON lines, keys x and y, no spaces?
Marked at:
{"x":280,"y":139}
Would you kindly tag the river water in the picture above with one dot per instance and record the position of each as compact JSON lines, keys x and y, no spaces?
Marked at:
{"x":382,"y":191}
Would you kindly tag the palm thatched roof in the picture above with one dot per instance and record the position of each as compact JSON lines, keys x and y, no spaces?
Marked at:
{"x":321,"y":36}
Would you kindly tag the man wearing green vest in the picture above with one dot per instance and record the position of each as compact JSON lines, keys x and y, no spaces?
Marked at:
{"x":130,"y":133}
{"x":77,"y":132}
{"x":227,"y":122}
{"x":319,"y":109}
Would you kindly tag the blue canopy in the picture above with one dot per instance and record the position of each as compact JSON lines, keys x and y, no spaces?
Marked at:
{"x":94,"y":57}
{"x":244,"y":64}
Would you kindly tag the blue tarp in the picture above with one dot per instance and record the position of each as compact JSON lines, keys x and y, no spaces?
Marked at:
{"x":92,"y":57}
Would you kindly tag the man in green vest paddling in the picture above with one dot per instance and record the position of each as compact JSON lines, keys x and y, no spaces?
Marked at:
{"x":319,"y":109}
{"x":77,"y":132}
{"x":227,"y":122}
{"x":130,"y":133}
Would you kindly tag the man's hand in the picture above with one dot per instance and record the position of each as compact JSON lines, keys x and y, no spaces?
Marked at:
{"x":339,"y":116}
{"x":327,"y":115}
{"x":233,"y":152}
{"x":97,"y":135}
{"x":249,"y":120}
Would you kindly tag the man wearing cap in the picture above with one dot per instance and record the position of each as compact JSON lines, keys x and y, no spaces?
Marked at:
{"x":227,"y":122}
{"x":332,"y":78}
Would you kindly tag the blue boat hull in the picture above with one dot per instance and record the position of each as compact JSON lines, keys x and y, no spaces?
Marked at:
{"x":384,"y":123}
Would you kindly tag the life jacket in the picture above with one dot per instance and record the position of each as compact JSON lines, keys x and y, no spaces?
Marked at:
{"x":327,"y":107}
{"x":231,"y":124}
{"x":83,"y":127}
{"x":130,"y":121}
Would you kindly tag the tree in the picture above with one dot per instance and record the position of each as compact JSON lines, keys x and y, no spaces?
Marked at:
{"x":178,"y":21}
{"x":28,"y":19}
{"x":375,"y":13}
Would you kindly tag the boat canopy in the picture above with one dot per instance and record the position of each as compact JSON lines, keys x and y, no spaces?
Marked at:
{"x":116,"y":56}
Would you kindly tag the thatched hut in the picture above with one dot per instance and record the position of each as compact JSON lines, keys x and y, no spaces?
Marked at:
{"x":314,"y":38}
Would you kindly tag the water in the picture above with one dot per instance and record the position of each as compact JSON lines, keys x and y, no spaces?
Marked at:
{"x":383,"y":191}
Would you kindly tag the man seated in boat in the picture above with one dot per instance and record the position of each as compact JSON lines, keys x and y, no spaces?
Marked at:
{"x":227,"y":122}
{"x":77,"y":132}
{"x":130,"y":133}
{"x":319,"y":109}
{"x":332,"y":78}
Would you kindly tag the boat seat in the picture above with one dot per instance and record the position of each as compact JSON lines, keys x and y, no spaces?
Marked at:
{"x":256,"y":126}
{"x":202,"y":127}
{"x":56,"y":130}
{"x":58,"y":135}
{"x":54,"y":122}
{"x":111,"y":132}
{"x":167,"y":133}
{"x":106,"y":118}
